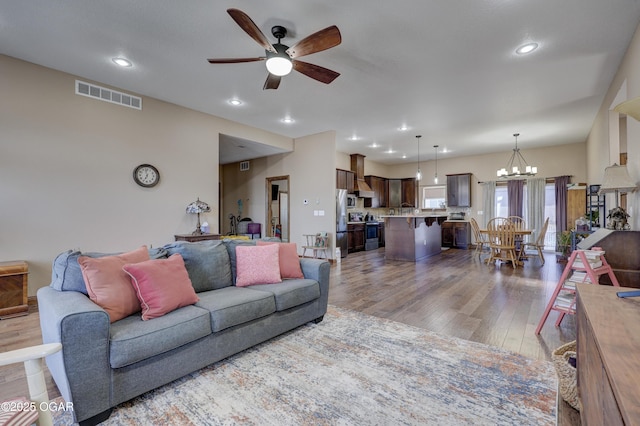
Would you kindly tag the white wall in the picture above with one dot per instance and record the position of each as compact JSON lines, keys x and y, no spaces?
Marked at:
{"x":625,"y":86}
{"x":311,"y":171}
{"x":66,"y":165}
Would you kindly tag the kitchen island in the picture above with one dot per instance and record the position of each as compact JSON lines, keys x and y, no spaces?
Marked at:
{"x":412,"y":237}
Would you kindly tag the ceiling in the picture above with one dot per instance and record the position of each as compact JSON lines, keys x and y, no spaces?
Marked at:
{"x":446,"y":70}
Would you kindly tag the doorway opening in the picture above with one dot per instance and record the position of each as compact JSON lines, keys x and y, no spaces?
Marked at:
{"x":277,"y":191}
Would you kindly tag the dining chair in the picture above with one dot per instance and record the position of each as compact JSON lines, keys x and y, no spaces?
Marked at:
{"x":538,"y":244}
{"x":481,"y":239}
{"x":501,"y":240}
{"x":518,"y":223}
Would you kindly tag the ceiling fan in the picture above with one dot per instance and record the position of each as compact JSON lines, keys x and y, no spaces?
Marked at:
{"x":281,"y":59}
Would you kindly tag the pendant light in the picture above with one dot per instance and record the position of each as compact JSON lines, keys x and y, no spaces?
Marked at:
{"x":435,"y":177}
{"x":418,"y":173}
{"x":517,"y":170}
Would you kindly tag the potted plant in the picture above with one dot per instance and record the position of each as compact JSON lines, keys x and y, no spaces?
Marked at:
{"x":564,"y":245}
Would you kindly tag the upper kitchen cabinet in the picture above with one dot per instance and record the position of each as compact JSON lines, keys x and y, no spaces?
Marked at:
{"x":401,"y":192}
{"x":379,"y":187}
{"x":409,"y":192}
{"x":345,"y":180}
{"x":459,"y":190}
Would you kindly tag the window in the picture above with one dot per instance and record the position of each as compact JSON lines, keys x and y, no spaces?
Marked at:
{"x":434,"y":196}
{"x":502,"y":210}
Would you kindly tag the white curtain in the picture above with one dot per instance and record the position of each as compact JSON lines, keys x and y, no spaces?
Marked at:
{"x":489,"y":202}
{"x":535,"y":205}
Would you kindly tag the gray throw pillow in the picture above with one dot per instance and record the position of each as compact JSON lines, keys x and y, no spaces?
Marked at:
{"x":207,"y":263}
{"x":231,"y":245}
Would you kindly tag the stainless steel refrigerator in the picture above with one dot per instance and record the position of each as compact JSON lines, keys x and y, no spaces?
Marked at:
{"x":341,"y":221}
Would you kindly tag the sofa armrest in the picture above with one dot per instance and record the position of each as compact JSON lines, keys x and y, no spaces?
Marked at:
{"x":81,"y":370}
{"x":318,"y":269}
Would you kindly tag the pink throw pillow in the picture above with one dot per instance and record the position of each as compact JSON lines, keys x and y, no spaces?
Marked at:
{"x":257,"y":265}
{"x":289,"y":260}
{"x":162,"y":285}
{"x":109,"y":286}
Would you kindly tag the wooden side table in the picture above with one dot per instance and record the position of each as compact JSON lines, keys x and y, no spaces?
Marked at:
{"x":13,"y":289}
{"x":193,"y":238}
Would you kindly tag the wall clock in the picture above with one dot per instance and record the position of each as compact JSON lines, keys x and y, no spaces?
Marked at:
{"x":146,"y":175}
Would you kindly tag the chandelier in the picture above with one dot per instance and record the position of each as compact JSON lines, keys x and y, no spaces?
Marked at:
{"x":520,"y":168}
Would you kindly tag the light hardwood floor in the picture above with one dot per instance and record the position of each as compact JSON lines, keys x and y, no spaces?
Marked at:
{"x":452,"y":293}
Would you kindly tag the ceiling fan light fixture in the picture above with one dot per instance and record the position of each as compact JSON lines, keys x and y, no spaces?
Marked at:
{"x":279,"y":63}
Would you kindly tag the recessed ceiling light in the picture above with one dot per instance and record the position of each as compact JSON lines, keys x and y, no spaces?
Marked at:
{"x":122,"y":62}
{"x":374,"y":145}
{"x":288,"y":120}
{"x":404,"y":156}
{"x":403,"y":128}
{"x":526,"y":48}
{"x":389,"y":151}
{"x":354,"y":138}
{"x":235,"y":102}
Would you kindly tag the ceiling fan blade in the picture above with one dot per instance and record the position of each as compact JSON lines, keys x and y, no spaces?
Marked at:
{"x":316,"y":42}
{"x":249,"y":27}
{"x":235,"y":60}
{"x":273,"y":81}
{"x":316,"y":72}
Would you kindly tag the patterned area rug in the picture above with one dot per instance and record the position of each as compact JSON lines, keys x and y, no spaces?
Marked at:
{"x":355,"y":369}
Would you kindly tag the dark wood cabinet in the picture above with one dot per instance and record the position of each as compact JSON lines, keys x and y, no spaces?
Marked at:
{"x":456,"y":234}
{"x":409,"y":192}
{"x":198,"y":237}
{"x":401,"y":192}
{"x":345,"y":180}
{"x":459,"y":190}
{"x":381,"y":235}
{"x":355,"y":237}
{"x":379,"y":187}
{"x":607,"y":348}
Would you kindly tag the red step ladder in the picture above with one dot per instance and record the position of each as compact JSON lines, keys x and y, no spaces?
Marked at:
{"x":590,"y":265}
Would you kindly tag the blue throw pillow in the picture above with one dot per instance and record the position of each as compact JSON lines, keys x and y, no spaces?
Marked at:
{"x":66,"y":274}
{"x":207,"y":263}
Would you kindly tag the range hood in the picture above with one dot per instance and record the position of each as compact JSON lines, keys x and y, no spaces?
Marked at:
{"x":361,"y":188}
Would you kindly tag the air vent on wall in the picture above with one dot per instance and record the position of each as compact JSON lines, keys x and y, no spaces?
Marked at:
{"x":107,"y":95}
{"x":244,"y":166}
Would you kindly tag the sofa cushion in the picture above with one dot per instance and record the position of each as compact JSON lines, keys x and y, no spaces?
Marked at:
{"x":132,"y":339}
{"x":109,"y":286}
{"x":257,"y":265}
{"x":231,"y":306}
{"x":288,"y":258}
{"x":291,"y":293}
{"x":162,"y":285}
{"x":66,"y":274}
{"x":207,"y":263}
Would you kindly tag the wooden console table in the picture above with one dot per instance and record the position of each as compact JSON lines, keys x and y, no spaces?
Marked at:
{"x":192,"y":238}
{"x":608,"y":356}
{"x":13,"y":289}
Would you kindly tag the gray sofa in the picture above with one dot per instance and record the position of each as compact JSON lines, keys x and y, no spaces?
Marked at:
{"x":102,"y":364}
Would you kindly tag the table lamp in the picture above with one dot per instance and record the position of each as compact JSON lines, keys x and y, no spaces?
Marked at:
{"x":617,"y":179}
{"x":198,"y":207}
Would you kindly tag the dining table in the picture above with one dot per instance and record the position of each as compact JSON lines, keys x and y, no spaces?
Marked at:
{"x":518,"y":233}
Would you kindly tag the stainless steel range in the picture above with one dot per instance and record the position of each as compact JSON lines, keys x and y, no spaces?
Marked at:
{"x":371,"y":236}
